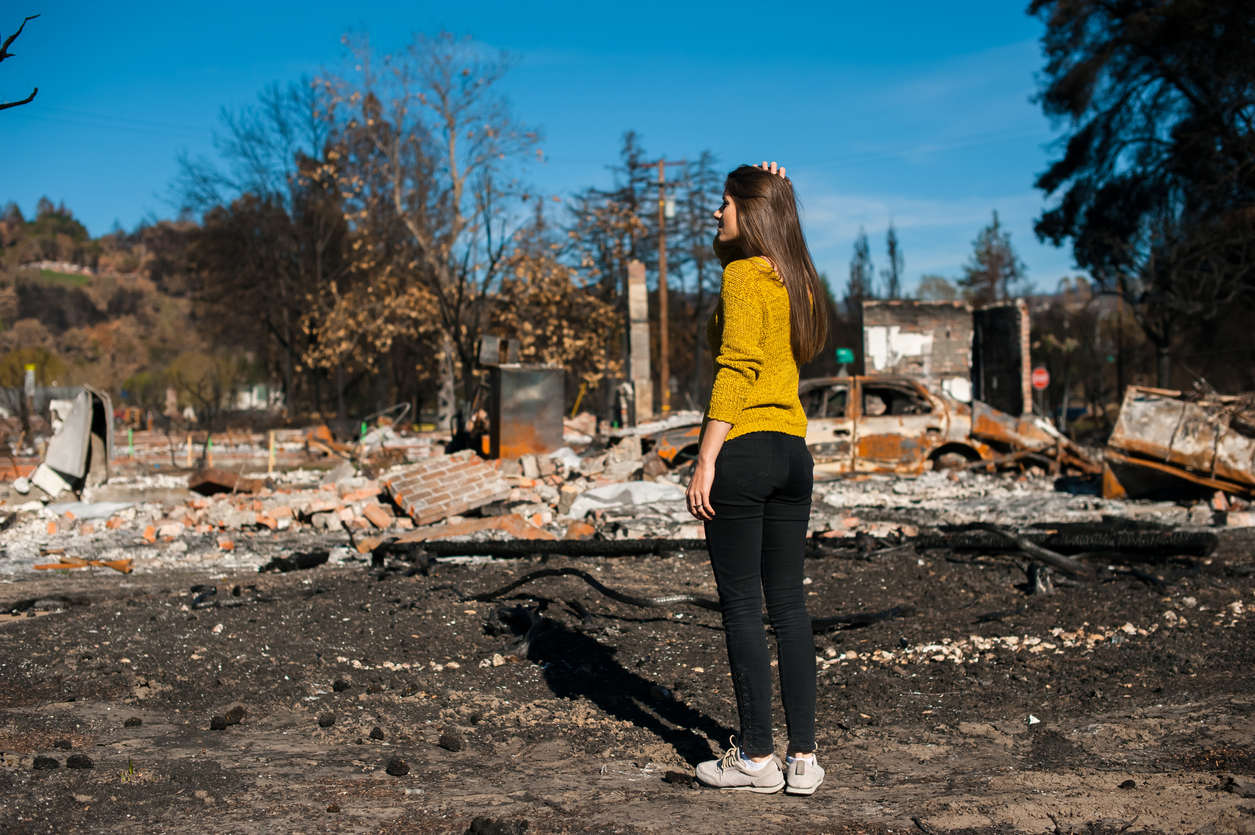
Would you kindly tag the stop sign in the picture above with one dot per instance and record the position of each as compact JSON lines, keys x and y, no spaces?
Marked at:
{"x":1041,"y":378}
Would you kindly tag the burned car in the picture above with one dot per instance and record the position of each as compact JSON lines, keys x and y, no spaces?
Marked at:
{"x":885,"y":425}
{"x":891,"y":424}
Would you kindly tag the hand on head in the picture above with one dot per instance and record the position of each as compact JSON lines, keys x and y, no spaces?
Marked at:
{"x":772,"y":168}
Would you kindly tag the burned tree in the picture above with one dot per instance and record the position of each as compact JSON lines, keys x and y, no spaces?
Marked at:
{"x":862,"y":275}
{"x":273,"y":233}
{"x":4,"y":53}
{"x":427,"y":157}
{"x":1156,"y":181}
{"x":897,"y":265}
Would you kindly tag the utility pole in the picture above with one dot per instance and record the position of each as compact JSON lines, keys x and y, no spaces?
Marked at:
{"x":665,"y":210}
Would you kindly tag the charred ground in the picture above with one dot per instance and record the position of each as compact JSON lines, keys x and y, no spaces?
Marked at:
{"x":577,"y":726}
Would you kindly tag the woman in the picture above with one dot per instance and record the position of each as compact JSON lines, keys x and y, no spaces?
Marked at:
{"x":753,"y":479}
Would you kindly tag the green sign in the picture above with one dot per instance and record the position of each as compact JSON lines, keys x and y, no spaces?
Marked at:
{"x":845,"y":356}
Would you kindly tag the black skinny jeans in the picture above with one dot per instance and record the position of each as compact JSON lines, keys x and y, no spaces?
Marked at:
{"x":761,"y":497}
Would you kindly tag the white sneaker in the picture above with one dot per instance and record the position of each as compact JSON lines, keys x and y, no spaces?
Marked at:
{"x":803,"y":776}
{"x":730,"y":772}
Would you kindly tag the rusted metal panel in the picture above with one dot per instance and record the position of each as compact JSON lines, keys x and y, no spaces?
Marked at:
{"x":1021,"y":431}
{"x":1025,"y":432}
{"x":1127,"y":476}
{"x":890,"y":449}
{"x":1212,"y":439}
{"x":526,"y":410}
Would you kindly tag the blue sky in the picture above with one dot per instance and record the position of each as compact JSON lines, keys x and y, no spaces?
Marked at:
{"x":918,"y":112}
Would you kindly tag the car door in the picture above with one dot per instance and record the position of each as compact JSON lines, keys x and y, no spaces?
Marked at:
{"x":897,"y":426}
{"x":830,"y":427}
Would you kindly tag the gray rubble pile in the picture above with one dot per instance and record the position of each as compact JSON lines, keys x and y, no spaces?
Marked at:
{"x":599,"y":494}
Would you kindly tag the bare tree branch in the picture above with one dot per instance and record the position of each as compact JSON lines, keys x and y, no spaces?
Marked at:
{"x":26,"y":100}
{"x":4,"y":53}
{"x":4,"y":50}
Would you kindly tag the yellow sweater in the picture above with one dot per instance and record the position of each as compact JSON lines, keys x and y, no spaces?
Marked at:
{"x":756,"y":377}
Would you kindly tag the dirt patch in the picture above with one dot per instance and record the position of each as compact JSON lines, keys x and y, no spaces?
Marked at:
{"x":564,"y":709}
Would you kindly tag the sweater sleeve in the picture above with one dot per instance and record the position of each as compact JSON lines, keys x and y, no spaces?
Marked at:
{"x":727,"y":253}
{"x":740,"y":360}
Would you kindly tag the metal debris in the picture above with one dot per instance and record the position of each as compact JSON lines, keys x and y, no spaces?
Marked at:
{"x":1165,"y":441}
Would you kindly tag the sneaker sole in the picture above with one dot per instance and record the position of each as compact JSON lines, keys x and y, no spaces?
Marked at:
{"x":755,"y":789}
{"x":759,"y":789}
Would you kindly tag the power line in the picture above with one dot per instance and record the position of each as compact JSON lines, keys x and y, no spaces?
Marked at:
{"x":128,"y":124}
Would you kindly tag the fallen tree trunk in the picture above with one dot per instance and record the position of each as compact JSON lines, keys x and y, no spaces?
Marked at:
{"x":1045,"y":555}
{"x":1148,"y":543}
{"x":518,"y":548}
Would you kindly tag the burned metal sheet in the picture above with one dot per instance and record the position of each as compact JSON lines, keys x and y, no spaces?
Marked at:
{"x":527,"y":403}
{"x":1021,"y":431}
{"x":81,"y":446}
{"x":67,"y":451}
{"x":1026,"y":432}
{"x":1210,"y":442}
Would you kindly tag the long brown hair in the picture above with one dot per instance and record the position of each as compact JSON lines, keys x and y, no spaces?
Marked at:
{"x":767,"y":218}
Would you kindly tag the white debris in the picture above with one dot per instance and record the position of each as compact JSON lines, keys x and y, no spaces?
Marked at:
{"x":567,"y":457}
{"x":46,"y":479}
{"x":625,"y":493}
{"x":979,"y":497}
{"x":89,"y":510}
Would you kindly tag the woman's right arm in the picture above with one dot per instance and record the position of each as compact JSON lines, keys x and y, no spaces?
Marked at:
{"x":737,"y":367}
{"x":714,"y":433}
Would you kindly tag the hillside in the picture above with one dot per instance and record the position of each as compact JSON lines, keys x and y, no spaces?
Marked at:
{"x":112,"y":311}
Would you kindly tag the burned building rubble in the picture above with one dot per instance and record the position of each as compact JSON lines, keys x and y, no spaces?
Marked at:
{"x":927,"y":341}
{"x":970,"y":355}
{"x":944,"y":391}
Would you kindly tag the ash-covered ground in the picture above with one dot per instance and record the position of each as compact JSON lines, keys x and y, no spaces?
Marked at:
{"x":1119,"y":705}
